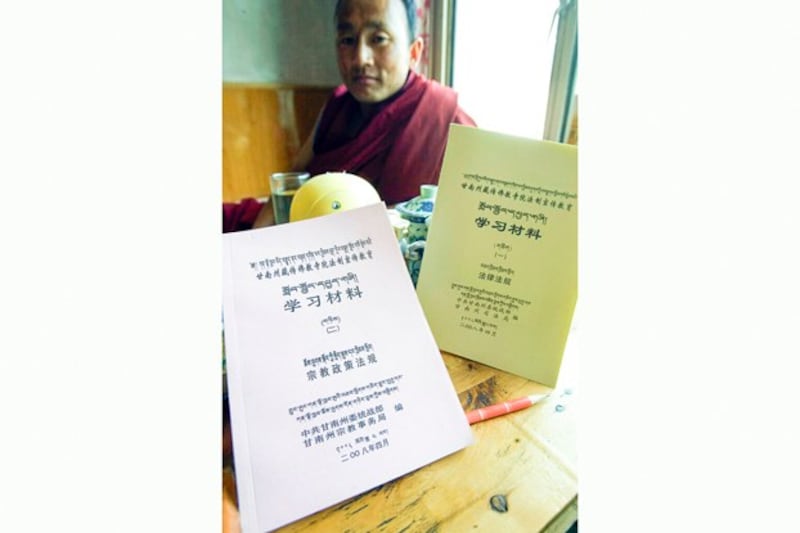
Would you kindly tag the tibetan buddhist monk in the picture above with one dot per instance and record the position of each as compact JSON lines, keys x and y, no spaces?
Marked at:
{"x":385,"y":123}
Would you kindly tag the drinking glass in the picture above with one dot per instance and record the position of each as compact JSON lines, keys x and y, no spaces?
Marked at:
{"x":284,"y":185}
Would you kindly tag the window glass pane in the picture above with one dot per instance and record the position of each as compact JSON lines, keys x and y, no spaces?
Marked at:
{"x":502,"y":58}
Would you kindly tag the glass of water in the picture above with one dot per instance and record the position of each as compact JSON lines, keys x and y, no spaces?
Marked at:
{"x":284,"y":185}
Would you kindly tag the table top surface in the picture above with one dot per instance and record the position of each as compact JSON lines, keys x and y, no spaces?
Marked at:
{"x":529,"y":458}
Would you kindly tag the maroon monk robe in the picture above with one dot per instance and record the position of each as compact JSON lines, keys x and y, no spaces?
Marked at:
{"x":238,"y":216}
{"x":400,"y":148}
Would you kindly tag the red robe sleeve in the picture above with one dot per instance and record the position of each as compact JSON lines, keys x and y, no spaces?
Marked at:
{"x":240,"y":215}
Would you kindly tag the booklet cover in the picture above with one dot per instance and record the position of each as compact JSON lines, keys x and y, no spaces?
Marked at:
{"x":335,"y":382}
{"x":498,"y":281}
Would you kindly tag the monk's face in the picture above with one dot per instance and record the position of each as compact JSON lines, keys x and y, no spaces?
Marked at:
{"x":373,"y":48}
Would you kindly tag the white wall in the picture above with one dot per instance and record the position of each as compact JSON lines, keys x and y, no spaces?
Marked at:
{"x":281,"y":42}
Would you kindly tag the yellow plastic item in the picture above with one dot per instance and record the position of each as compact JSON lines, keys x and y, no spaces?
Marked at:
{"x":329,"y":193}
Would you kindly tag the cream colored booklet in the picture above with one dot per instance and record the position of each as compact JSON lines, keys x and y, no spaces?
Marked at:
{"x":498,"y":281}
{"x":334,"y":378}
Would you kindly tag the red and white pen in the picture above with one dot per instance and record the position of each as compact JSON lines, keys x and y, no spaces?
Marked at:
{"x":500,"y":409}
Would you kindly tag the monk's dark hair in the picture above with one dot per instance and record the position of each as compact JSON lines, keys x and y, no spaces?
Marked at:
{"x":411,"y":16}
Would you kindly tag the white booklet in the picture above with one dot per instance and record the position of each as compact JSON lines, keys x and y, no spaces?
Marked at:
{"x":335,"y":382}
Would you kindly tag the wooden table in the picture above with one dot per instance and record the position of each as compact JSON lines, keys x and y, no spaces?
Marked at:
{"x":528,"y":457}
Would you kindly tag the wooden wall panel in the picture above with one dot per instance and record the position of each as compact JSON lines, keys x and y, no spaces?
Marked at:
{"x":253,"y":143}
{"x":263,"y":128}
